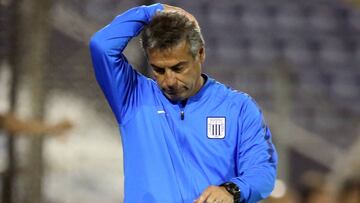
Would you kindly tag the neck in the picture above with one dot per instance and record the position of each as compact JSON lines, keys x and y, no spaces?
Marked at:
{"x":200,"y":83}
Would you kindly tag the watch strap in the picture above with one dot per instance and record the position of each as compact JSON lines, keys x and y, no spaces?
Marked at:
{"x":233,"y":189}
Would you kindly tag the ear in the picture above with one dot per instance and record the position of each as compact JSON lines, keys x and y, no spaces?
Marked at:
{"x":202,"y":54}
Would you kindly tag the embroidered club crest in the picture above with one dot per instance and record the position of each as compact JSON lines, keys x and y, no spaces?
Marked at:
{"x":216,"y":127}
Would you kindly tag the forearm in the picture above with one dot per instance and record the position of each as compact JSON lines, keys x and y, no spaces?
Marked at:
{"x":113,"y":38}
{"x":257,"y":157}
{"x":257,"y":168}
{"x":256,"y":184}
{"x":116,"y":77}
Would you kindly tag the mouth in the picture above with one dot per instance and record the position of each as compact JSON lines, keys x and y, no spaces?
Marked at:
{"x":171,"y":92}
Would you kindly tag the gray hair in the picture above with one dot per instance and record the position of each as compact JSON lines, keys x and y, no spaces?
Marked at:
{"x":167,"y":29}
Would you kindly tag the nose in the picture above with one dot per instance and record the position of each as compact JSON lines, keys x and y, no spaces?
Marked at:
{"x":170,"y":78}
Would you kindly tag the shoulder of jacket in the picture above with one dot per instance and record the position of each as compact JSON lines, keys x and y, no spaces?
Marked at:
{"x":227,"y":93}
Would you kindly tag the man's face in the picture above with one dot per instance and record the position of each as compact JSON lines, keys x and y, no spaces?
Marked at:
{"x":176,"y":71}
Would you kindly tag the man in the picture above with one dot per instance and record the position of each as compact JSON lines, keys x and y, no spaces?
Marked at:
{"x":186,"y":138}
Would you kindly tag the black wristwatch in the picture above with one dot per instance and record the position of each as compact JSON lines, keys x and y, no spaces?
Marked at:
{"x":233,"y":189}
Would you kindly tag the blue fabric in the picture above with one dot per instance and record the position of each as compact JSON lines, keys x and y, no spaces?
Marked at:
{"x":167,"y":159}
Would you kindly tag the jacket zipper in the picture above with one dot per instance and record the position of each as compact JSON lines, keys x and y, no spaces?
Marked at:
{"x":182,"y":107}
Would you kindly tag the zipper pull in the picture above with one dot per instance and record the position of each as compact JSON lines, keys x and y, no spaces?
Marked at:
{"x":182,"y":115}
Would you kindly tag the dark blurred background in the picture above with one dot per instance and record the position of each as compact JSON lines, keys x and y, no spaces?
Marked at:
{"x":300,"y":60}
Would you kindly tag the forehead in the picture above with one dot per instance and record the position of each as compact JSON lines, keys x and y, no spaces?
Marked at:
{"x":178,"y":52}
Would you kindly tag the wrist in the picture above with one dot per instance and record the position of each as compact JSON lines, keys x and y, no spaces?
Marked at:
{"x":233,"y":189}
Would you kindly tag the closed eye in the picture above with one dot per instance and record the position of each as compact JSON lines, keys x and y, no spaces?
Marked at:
{"x":177,"y":69}
{"x":158,"y":70}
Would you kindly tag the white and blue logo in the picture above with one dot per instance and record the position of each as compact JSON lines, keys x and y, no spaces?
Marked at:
{"x":216,"y":127}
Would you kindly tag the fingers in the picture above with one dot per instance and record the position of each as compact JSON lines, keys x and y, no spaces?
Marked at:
{"x":204,"y":196}
{"x":168,"y":8}
{"x":172,"y":8}
{"x":215,"y":194}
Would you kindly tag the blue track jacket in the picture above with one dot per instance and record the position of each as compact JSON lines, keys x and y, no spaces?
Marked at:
{"x":168,"y":158}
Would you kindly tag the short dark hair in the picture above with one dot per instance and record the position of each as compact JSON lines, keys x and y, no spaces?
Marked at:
{"x":167,"y":29}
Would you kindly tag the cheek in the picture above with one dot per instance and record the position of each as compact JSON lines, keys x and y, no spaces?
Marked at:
{"x":187,"y":80}
{"x":184,"y":83}
{"x":164,"y":84}
{"x":159,"y":80}
{"x":192,"y":75}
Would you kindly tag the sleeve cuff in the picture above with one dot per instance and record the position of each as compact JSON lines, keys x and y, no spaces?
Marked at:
{"x":244,"y":189}
{"x":151,"y":10}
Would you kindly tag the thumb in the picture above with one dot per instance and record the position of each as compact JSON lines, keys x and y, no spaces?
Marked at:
{"x":199,"y":200}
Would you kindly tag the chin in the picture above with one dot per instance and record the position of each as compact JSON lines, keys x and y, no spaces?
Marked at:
{"x":172,"y":97}
{"x":175,"y":98}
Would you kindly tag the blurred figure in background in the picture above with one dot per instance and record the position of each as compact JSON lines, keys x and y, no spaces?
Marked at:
{"x":283,"y":194}
{"x":13,"y":125}
{"x":289,"y":197}
{"x":313,"y":189}
{"x":350,"y":191}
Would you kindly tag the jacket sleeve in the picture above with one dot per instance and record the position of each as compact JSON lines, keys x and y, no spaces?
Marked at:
{"x":256,"y":156}
{"x":116,"y":77}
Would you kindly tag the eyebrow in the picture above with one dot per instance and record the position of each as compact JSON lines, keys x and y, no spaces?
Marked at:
{"x":174,"y":66}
